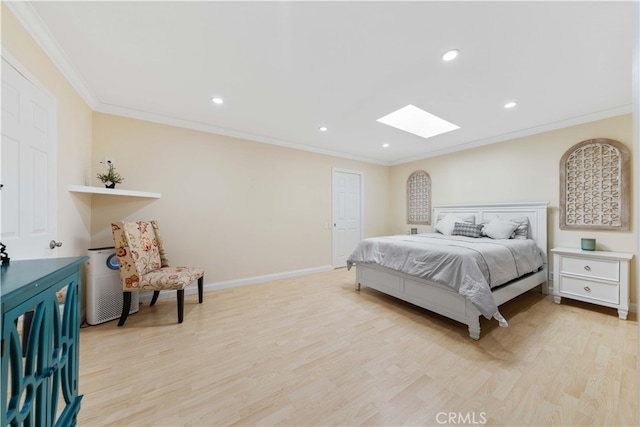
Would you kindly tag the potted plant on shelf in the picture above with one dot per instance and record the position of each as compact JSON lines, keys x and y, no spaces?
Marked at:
{"x":111,"y":178}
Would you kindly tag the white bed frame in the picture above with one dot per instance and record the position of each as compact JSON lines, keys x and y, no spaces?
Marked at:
{"x":446,"y":301}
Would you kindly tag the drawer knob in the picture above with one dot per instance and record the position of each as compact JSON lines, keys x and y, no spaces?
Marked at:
{"x":588,"y":289}
{"x":586,"y":267}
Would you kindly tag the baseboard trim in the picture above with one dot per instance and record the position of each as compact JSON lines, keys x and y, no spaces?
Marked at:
{"x":208,"y":287}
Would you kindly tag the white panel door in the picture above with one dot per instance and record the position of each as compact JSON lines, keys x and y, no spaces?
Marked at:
{"x":347,"y":215}
{"x":28,"y":158}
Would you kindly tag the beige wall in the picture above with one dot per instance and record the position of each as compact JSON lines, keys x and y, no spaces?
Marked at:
{"x":243,"y":209}
{"x":522,"y":170}
{"x":237,"y":208}
{"x":74,"y":135}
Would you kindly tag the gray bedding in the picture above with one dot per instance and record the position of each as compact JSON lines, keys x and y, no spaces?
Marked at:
{"x":470,"y":266}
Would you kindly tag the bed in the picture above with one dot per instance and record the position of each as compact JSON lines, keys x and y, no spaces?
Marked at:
{"x":447,"y":299}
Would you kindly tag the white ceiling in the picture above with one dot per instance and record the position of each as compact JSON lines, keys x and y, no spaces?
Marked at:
{"x":286,"y":68}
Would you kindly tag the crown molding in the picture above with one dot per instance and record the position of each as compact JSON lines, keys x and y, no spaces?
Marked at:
{"x":31,"y":21}
{"x":26,"y":14}
{"x":574,"y":121}
{"x":187,"y":124}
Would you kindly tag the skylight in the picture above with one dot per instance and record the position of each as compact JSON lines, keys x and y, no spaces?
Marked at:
{"x":418,"y":122}
{"x":450,"y":55}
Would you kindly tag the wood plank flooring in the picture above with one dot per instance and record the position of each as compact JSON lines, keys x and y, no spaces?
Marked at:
{"x":313,"y":351}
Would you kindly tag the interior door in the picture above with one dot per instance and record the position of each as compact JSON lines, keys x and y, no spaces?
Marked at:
{"x":347,"y":214}
{"x":28,"y":158}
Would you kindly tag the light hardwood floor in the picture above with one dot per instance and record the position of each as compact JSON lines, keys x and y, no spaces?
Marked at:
{"x":312,"y":351}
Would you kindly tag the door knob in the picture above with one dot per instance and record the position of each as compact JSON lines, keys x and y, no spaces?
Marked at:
{"x":53,"y":244}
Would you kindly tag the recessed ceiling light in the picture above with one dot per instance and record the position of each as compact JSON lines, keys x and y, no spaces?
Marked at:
{"x":323,"y":128}
{"x":385,"y":145}
{"x":418,"y":122}
{"x":217,"y":100}
{"x":510,"y":104}
{"x":450,"y":54}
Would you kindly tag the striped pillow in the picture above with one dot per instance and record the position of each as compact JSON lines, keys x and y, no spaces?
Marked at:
{"x":522,"y":232}
{"x":467,"y":230}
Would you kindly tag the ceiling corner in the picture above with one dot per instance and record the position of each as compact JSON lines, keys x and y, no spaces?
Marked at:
{"x":31,"y":21}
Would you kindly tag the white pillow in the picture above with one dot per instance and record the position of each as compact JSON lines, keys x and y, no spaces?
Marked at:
{"x":500,"y":228}
{"x":446,"y":224}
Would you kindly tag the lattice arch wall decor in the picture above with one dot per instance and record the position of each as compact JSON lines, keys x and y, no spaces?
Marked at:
{"x":594,"y":186}
{"x":419,"y":198}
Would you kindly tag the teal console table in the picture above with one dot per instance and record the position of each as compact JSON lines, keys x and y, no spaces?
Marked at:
{"x":40,"y":363}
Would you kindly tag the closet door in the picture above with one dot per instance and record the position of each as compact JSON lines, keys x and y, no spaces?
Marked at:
{"x":347,"y":214}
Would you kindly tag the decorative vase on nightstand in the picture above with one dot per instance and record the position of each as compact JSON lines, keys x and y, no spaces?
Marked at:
{"x":588,"y":244}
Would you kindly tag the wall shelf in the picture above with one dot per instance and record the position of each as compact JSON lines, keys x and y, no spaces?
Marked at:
{"x":112,"y":191}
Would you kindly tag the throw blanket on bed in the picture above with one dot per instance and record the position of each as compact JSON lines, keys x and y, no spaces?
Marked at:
{"x":470,"y":266}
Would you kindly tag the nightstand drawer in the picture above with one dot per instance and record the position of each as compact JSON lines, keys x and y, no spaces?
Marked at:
{"x":587,"y":289}
{"x":592,"y":268}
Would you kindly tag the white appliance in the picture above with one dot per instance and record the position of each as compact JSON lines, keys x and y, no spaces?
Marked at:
{"x":104,"y":288}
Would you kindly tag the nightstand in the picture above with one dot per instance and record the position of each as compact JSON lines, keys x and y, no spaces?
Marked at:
{"x":598,"y":277}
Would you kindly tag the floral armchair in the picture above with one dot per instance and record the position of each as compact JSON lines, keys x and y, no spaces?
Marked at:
{"x":144,"y":265}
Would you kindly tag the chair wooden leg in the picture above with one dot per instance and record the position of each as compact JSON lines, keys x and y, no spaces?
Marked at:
{"x":126,"y":306}
{"x":180,"y":305}
{"x":200,"y":289}
{"x":155,"y":297}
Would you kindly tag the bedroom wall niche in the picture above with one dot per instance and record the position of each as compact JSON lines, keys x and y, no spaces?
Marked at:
{"x":594,"y":186}
{"x":419,"y":198}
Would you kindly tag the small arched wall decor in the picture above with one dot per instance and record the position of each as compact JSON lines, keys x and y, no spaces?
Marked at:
{"x":594,"y":186}
{"x":419,"y":198}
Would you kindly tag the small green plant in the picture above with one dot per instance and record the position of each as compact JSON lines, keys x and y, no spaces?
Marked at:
{"x":111,"y":177}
